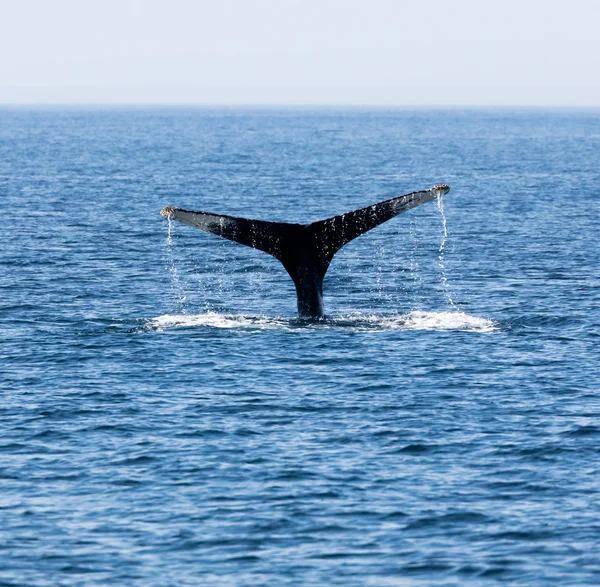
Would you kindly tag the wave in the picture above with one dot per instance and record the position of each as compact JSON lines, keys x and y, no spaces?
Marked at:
{"x":416,"y":320}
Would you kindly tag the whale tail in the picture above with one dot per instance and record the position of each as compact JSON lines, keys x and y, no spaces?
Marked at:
{"x":305,"y":250}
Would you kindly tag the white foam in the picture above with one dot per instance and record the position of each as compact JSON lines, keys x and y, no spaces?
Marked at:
{"x":417,"y":320}
{"x":215,"y":320}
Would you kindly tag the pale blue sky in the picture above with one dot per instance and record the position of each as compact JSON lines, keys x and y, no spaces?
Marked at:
{"x":418,"y":52}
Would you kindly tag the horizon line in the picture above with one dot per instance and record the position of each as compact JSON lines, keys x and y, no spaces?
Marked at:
{"x":307,"y":105}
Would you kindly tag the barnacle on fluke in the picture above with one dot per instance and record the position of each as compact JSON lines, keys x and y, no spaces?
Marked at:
{"x":168,"y":212}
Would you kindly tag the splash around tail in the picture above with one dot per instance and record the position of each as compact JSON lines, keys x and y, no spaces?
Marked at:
{"x":305,"y":250}
{"x":416,"y":320}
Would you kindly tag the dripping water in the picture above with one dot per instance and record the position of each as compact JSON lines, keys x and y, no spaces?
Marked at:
{"x":379,"y":254}
{"x":177,"y":291}
{"x":441,"y":261}
{"x":413,"y":265}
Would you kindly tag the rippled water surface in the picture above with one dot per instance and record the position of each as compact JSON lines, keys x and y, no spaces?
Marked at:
{"x":165,"y":418}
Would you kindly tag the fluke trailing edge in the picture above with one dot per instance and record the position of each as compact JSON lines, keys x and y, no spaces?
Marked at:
{"x":305,"y":250}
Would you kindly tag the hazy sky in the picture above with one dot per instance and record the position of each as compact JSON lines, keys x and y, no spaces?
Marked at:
{"x":417,"y":52}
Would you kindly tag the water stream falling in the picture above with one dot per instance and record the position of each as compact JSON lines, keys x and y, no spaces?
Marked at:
{"x":441,"y":262}
{"x":413,"y":265}
{"x":379,"y":255}
{"x":177,"y":291}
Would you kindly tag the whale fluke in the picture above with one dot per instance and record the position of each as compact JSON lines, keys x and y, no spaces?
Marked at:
{"x":305,"y":250}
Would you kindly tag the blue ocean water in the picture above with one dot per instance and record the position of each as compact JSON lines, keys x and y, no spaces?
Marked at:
{"x":165,"y":420}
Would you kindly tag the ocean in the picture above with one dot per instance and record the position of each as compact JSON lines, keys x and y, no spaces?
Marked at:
{"x":166,"y":419}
